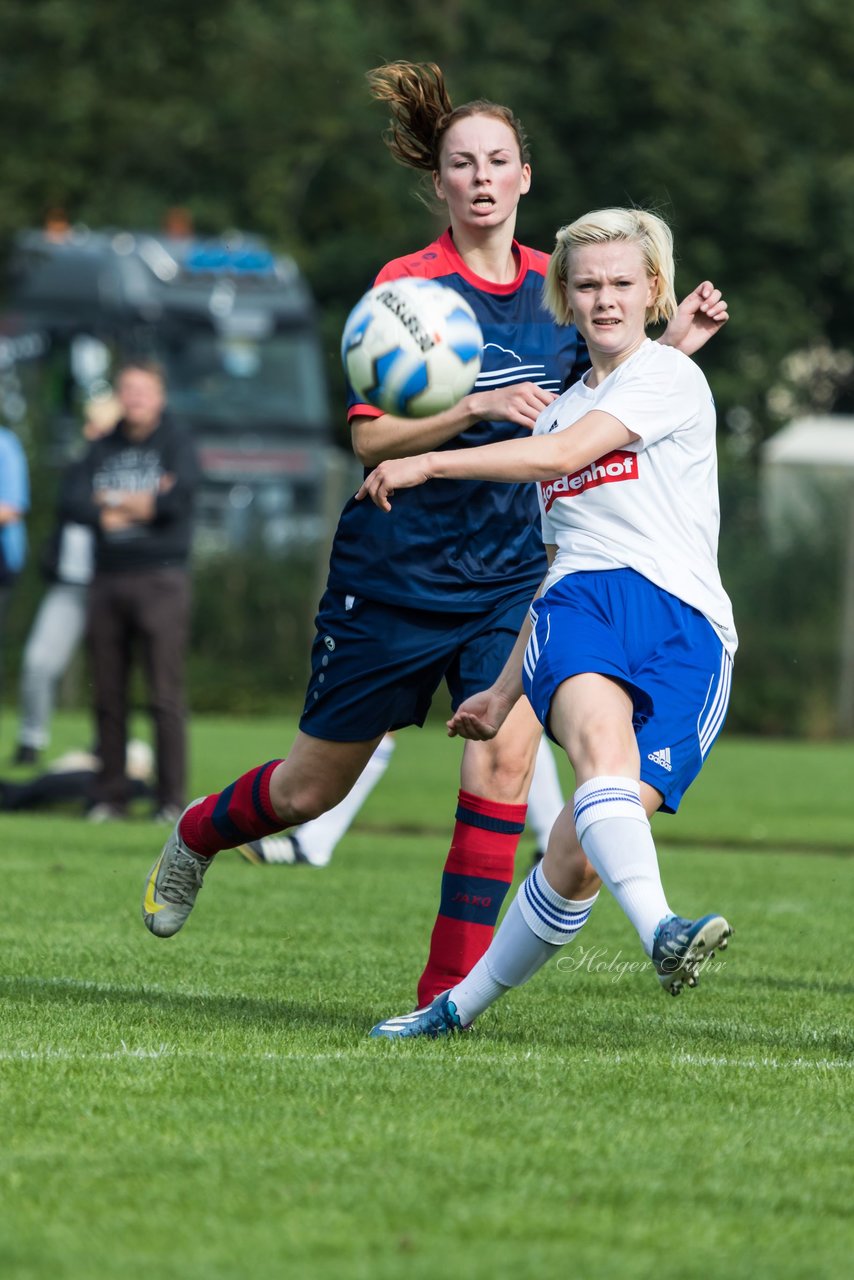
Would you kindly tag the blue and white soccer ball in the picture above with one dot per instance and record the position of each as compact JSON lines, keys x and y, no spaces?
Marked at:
{"x":412,"y":347}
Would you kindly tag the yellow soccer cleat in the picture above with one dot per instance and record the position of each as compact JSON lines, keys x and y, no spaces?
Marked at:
{"x":172,"y":884}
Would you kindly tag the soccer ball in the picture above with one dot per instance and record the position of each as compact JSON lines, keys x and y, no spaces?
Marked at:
{"x":412,"y":347}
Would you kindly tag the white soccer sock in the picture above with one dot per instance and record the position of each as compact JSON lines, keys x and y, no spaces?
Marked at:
{"x":545,"y":798}
{"x":318,"y":838}
{"x":615,"y":834}
{"x":537,"y":924}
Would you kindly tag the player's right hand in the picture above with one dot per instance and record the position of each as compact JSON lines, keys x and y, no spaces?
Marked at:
{"x":393,"y":474}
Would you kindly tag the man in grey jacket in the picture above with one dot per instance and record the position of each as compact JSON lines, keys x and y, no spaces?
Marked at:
{"x":136,"y":489}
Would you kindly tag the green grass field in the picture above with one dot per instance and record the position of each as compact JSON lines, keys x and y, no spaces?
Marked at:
{"x":210,"y":1106}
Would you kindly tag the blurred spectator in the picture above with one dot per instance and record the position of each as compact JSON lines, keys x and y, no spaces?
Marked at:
{"x":135,"y":487}
{"x":14,"y":504}
{"x":59,"y":624}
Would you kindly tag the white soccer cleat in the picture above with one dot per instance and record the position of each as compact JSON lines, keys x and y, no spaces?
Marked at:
{"x":172,"y":884}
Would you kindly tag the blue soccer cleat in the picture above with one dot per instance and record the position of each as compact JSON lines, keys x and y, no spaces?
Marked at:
{"x":680,"y":948}
{"x":439,"y":1018}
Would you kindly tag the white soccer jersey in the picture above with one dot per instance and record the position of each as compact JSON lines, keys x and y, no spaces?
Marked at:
{"x":653,"y":506}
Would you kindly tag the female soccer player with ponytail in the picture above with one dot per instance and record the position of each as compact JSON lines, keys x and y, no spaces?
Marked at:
{"x":438,"y":590}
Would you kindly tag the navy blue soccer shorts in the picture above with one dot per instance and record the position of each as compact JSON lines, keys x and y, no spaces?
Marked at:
{"x":667,"y":655}
{"x":376,"y":667}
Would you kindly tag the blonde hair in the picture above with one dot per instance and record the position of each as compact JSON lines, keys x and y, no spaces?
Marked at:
{"x":604,"y":226}
{"x":422,"y":112}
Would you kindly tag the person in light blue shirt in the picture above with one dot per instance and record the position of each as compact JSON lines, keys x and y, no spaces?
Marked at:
{"x":14,"y":504}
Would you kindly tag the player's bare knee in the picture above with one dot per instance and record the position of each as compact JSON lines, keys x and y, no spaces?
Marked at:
{"x":596,"y":749}
{"x":499,"y":769}
{"x":301,"y":801}
{"x":507,"y":776}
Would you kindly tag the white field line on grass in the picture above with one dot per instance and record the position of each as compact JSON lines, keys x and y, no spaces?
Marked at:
{"x":124,"y":1052}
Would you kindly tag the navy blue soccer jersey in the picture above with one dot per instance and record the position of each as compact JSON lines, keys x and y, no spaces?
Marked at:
{"x":451,"y":545}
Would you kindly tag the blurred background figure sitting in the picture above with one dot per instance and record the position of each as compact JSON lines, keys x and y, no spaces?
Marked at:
{"x":60,"y":621}
{"x":73,"y":777}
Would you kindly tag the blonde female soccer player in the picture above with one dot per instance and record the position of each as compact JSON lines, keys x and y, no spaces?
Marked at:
{"x":626,"y":657}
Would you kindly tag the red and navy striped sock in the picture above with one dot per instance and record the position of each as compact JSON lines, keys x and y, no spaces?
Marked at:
{"x":477,"y":875}
{"x":231,"y":817}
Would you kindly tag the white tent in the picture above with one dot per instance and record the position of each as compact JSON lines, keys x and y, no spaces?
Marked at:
{"x":807,"y":492}
{"x":807,"y":467}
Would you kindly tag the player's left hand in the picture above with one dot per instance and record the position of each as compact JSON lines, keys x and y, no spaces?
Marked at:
{"x":699,"y":317}
{"x":396,"y":473}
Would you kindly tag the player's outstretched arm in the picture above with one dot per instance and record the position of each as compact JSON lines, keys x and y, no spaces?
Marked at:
{"x":539,"y":457}
{"x":698,"y":317}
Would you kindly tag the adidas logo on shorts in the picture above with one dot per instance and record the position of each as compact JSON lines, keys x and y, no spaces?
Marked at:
{"x":661,"y":758}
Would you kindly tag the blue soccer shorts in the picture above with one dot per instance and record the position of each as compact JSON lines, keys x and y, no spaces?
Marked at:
{"x":376,"y":667}
{"x":666,"y":653}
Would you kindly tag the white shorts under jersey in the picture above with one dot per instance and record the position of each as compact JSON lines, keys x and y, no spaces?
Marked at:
{"x":653,"y":506}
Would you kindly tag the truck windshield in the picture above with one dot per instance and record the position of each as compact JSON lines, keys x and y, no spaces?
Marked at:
{"x":221,"y":382}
